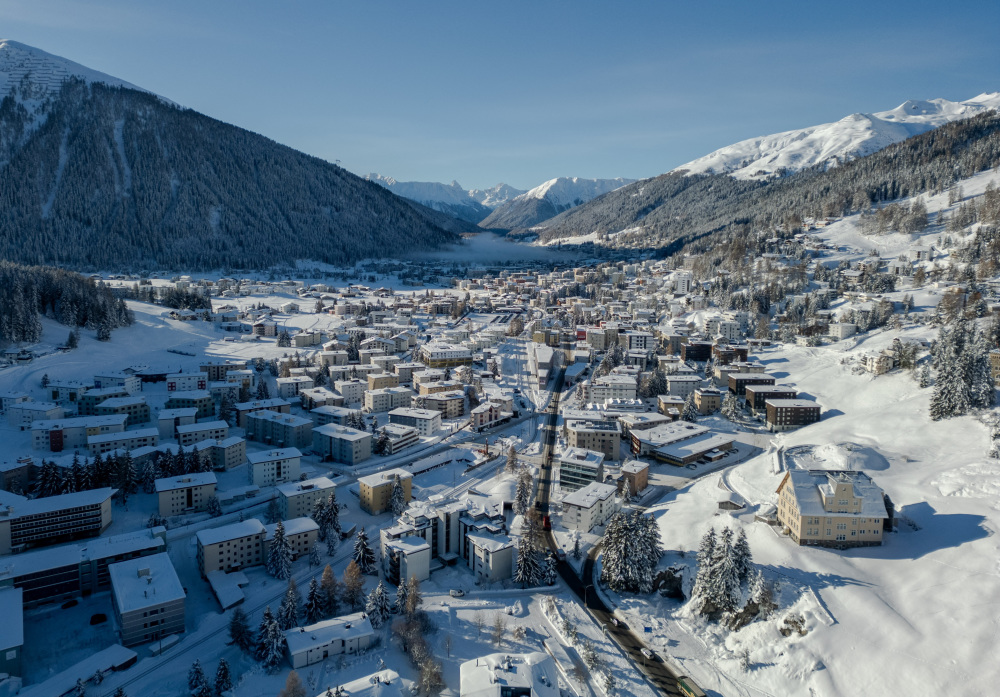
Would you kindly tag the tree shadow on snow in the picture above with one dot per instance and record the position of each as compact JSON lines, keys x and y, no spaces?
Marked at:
{"x":779,"y":375}
{"x":768,"y":361}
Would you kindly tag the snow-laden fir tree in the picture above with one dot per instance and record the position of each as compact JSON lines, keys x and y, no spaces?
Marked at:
{"x":549,"y":574}
{"x":608,"y":684}
{"x":399,"y":603}
{"x":631,"y":552}
{"x":511,"y":465}
{"x":397,"y":497}
{"x":313,"y":610}
{"x":730,"y":406}
{"x":743,"y":559}
{"x":223,"y":678}
{"x":314,"y":556}
{"x":288,"y":611}
{"x":522,"y":494}
{"x":626,"y":492}
{"x":724,"y":586}
{"x":279,"y":556}
{"x":197,"y":682}
{"x":213,"y":507}
{"x":363,"y":555}
{"x":377,"y":606}
{"x":260,"y":646}
{"x":924,"y":379}
{"x":80,"y":689}
{"x":577,"y":552}
{"x":527,"y":571}
{"x":239,"y":631}
{"x":690,"y":412}
{"x":274,"y":647}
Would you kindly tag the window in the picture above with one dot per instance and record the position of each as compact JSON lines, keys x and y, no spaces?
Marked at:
{"x":842,"y":526}
{"x":841,"y":538}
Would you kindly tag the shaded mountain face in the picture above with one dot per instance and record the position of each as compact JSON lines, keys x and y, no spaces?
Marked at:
{"x":451,"y":199}
{"x":548,"y":200}
{"x":105,"y":177}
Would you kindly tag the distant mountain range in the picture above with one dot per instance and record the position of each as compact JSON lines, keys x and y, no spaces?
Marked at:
{"x":853,"y":136}
{"x":96,"y":173}
{"x":471,"y":205}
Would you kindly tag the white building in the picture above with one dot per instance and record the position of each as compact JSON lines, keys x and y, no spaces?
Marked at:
{"x":426,"y":421}
{"x":317,"y":642}
{"x":290,"y":387}
{"x":130,"y":383}
{"x":183,"y":382}
{"x":590,"y":506}
{"x":682,"y":385}
{"x":190,"y":434}
{"x":274,"y":466}
{"x":510,"y":675}
{"x":148,"y":599}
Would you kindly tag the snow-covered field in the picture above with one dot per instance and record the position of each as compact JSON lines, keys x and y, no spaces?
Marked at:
{"x":916,"y":616}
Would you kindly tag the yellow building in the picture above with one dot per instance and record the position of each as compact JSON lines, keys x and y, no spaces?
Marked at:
{"x":831,"y":508}
{"x":376,"y":489}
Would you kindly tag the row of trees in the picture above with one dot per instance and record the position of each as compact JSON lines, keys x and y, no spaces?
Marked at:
{"x":631,"y":552}
{"x":964,"y":380}
{"x":117,"y":470}
{"x":728,"y":582}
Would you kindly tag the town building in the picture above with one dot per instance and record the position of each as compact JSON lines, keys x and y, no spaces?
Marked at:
{"x":738,"y":382}
{"x":426,"y":421}
{"x":228,"y":453}
{"x":12,"y":631}
{"x":601,"y":435}
{"x":147,"y":599}
{"x":441,"y":355}
{"x":831,"y":508}
{"x":298,"y":499}
{"x":579,"y":467}
{"x":282,"y":430}
{"x":490,"y":556}
{"x":71,"y":434}
{"x":133,"y":407}
{"x":301,"y":534}
{"x":590,"y":506}
{"x":231,"y":547}
{"x":376,"y":489}
{"x":244,"y":409}
{"x":342,"y":444}
{"x":289,"y":388}
{"x":510,"y":675}
{"x":399,"y":437}
{"x":126,"y":440}
{"x":450,"y":404}
{"x":186,"y":382}
{"x":190,"y":434}
{"x":274,"y":466}
{"x":198,"y":399}
{"x":185,"y":493}
{"x":87,"y":403}
{"x":314,"y":643}
{"x":789,"y":414}
{"x":132,"y":384}
{"x":707,"y":400}
{"x":168,"y":420}
{"x":680,"y":385}
{"x":636,"y":473}
{"x":388,"y":398}
{"x":35,"y":522}
{"x":22,"y":415}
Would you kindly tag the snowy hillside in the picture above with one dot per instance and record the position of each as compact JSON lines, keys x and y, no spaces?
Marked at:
{"x":853,"y":136}
{"x":42,"y":73}
{"x":549,"y":199}
{"x":495,"y":195}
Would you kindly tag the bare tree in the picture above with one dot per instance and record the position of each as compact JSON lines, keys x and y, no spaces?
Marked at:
{"x":479,"y":620}
{"x":499,"y":627}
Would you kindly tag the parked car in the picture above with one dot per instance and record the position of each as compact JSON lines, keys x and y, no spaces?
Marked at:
{"x":456,"y":592}
{"x":646,"y":652}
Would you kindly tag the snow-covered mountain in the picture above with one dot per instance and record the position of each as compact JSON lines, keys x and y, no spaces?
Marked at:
{"x":853,"y":136}
{"x":472,"y":205}
{"x":495,"y":195}
{"x":548,"y":200}
{"x":39,"y":74}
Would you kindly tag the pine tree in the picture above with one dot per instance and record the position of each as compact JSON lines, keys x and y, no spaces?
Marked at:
{"x":511,"y":459}
{"x":274,"y":647}
{"x":925,"y":376}
{"x":313,"y":610}
{"x":279,"y":556}
{"x":690,"y":412}
{"x":314,"y":557}
{"x":577,"y":552}
{"x":213,"y":507}
{"x":197,"y":682}
{"x":549,"y":575}
{"x":261,"y":647}
{"x":730,"y":406}
{"x":397,"y":500}
{"x":353,"y":586}
{"x":626,"y":492}
{"x":377,"y":606}
{"x":725,"y":583}
{"x":608,"y":684}
{"x":363,"y":554}
{"x":45,"y":380}
{"x":700,"y":593}
{"x":223,"y":678}
{"x":239,"y":631}
{"x":288,"y":611}
{"x":527,"y":571}
{"x":80,"y":689}
{"x":743,"y":559}
{"x":399,"y":604}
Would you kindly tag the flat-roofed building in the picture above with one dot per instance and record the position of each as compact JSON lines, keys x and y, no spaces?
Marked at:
{"x":199,"y":399}
{"x":387,"y":399}
{"x":441,"y":355}
{"x":490,"y":556}
{"x":126,"y":440}
{"x":22,"y":415}
{"x":789,"y":414}
{"x":590,"y":506}
{"x":707,"y":400}
{"x":298,"y":499}
{"x":168,"y":420}
{"x":72,"y":433}
{"x":282,"y":430}
{"x":348,"y":634}
{"x":604,"y":436}
{"x":426,"y":421}
{"x":636,"y":473}
{"x":683,"y":385}
{"x":231,"y":547}
{"x":206,"y":430}
{"x":35,"y":522}
{"x":132,"y":384}
{"x":134,"y":407}
{"x":378,"y":381}
{"x":399,"y":437}
{"x":148,"y":599}
{"x":645,"y":442}
{"x":185,"y":493}
{"x":228,"y":453}
{"x":289,"y":388}
{"x":757,"y":395}
{"x":405,"y":371}
{"x":243,"y":409}
{"x":832,"y":508}
{"x":185,"y":382}
{"x":708,"y":446}
{"x":274,"y":466}
{"x":301,"y":533}
{"x":738,"y":382}
{"x":510,"y":675}
{"x":579,"y":467}
{"x":87,"y":404}
{"x":406,"y":557}
{"x":353,"y":391}
{"x":376,"y":489}
{"x":338,"y":415}
{"x":450,"y":404}
{"x":342,"y":444}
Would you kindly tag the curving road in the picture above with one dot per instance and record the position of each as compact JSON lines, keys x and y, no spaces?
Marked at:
{"x":654,"y":669}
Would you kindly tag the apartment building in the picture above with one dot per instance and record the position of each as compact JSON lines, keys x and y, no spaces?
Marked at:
{"x":282,"y":430}
{"x":197,"y":399}
{"x":71,"y":434}
{"x":683,"y":385}
{"x":298,"y":499}
{"x":426,"y":421}
{"x":604,"y":436}
{"x":313,"y":643}
{"x":757,"y":395}
{"x":590,"y":506}
{"x":23,"y":414}
{"x":579,"y":467}
{"x":186,"y":382}
{"x":441,"y":355}
{"x":450,"y":404}
{"x":190,"y":434}
{"x":789,"y":414}
{"x":35,"y":522}
{"x":353,"y":391}
{"x":636,"y":473}
{"x":738,"y":382}
{"x":376,"y":489}
{"x":126,"y":440}
{"x":186,"y":493}
{"x":342,"y":444}
{"x":399,"y":437}
{"x":274,"y":466}
{"x":168,"y":420}
{"x":147,"y":599}
{"x":832,"y":508}
{"x":707,"y":400}
{"x":133,"y":407}
{"x":244,"y":409}
{"x":132,"y":384}
{"x":228,"y":453}
{"x":301,"y":534}
{"x":490,"y":556}
{"x":231,"y":547}
{"x":388,"y":398}
{"x":289,"y":388}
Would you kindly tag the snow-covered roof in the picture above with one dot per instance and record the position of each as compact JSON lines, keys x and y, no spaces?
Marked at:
{"x":808,"y":487}
{"x":499,"y":673}
{"x":409,"y":544}
{"x":79,"y":422}
{"x":273,"y":455}
{"x":144,"y":582}
{"x":373,"y":480}
{"x":185,"y":481}
{"x":301,"y":639}
{"x":306,"y":485}
{"x":589,"y":495}
{"x":64,"y":501}
{"x":295,"y":526}
{"x":233,"y":531}
{"x":203,"y":426}
{"x":489,"y":542}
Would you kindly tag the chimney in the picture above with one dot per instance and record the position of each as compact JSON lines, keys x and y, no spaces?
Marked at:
{"x":143,"y":572}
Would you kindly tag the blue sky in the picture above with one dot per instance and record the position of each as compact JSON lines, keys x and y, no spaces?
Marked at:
{"x":521,"y":92}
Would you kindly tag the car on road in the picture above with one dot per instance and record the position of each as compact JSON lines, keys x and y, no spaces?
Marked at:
{"x":614,"y":621}
{"x":646,"y":652}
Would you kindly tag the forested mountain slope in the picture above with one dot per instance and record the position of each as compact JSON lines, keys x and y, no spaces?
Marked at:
{"x":548,"y":200}
{"x":96,"y":176}
{"x":673,"y":208}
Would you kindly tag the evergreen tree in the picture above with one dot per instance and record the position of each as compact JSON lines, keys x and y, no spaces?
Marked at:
{"x":279,"y":556}
{"x":314,"y":557}
{"x":363,"y":555}
{"x":148,"y":477}
{"x":522,"y":494}
{"x":925,"y":376}
{"x":743,"y":559}
{"x":608,"y":684}
{"x":511,"y":459}
{"x":577,"y":552}
{"x":197,"y":682}
{"x":354,"y":585}
{"x":288,"y":611}
{"x":690,"y":412}
{"x":528,"y":571}
{"x":724,"y":586}
{"x":274,"y":647}
{"x":399,"y":604}
{"x":239,"y":631}
{"x":45,"y":380}
{"x":730,"y":406}
{"x":397,"y":499}
{"x":213,"y":507}
{"x":73,"y":340}
{"x":549,"y":575}
{"x":377,"y":606}
{"x":261,"y":647}
{"x":626,"y":492}
{"x":313,"y":610}
{"x":223,"y":678}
